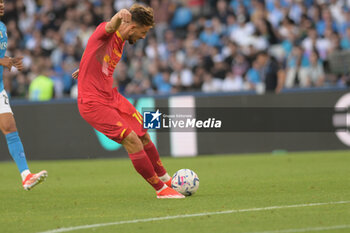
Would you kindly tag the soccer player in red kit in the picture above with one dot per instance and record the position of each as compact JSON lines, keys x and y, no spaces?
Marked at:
{"x":105,"y":109}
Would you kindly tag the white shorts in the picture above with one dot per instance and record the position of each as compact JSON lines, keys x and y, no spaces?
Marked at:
{"x":4,"y":103}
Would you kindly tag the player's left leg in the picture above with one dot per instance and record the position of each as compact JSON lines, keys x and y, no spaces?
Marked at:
{"x":153,"y":155}
{"x":9,"y":129}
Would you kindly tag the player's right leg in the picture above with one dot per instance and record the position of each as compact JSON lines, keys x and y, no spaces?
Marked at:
{"x":9,"y":129}
{"x":144,"y":167}
{"x":153,"y":155}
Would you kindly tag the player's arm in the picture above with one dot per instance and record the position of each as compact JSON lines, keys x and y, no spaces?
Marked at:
{"x":75,"y":74}
{"x":122,"y":16}
{"x":9,"y":62}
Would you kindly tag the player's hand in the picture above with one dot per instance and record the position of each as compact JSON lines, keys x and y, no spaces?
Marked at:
{"x":7,"y":62}
{"x":18,"y":63}
{"x":124,"y":15}
{"x":75,"y":74}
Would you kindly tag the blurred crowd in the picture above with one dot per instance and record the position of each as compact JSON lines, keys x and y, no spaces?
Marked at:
{"x":196,"y":45}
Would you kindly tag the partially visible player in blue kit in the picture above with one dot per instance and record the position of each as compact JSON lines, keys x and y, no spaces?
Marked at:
{"x":7,"y":121}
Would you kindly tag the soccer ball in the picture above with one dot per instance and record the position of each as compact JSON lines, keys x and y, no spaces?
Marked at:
{"x":185,"y":181}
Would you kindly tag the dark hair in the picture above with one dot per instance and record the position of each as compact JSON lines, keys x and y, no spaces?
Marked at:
{"x":262,"y":53}
{"x":142,"y":15}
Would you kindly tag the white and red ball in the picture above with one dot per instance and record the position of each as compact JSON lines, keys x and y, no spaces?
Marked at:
{"x":185,"y":181}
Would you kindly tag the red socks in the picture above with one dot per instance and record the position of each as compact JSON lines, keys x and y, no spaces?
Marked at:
{"x":153,"y":155}
{"x":147,"y":163}
{"x":144,"y":167}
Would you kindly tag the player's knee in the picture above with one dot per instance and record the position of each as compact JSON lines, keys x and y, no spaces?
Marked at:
{"x":132,"y":143}
{"x":8,"y":128}
{"x":145,"y":139}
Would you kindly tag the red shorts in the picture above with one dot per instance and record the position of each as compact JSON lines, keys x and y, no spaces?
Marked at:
{"x":115,"y":120}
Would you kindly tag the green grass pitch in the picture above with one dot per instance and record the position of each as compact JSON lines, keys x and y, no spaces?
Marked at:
{"x":85,"y":192}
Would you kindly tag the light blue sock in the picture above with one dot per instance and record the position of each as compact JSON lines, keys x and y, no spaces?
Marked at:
{"x":16,"y":150}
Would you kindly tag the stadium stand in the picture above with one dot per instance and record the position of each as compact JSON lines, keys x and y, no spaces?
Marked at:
{"x":197,"y":45}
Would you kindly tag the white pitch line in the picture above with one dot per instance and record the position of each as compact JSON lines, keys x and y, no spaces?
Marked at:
{"x":66,"y":229}
{"x":307,"y":229}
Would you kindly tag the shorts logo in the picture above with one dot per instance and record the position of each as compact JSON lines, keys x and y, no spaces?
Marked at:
{"x":6,"y":99}
{"x":151,"y":120}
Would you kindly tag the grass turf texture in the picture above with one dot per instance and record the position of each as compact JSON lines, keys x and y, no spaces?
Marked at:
{"x":83,"y":192}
